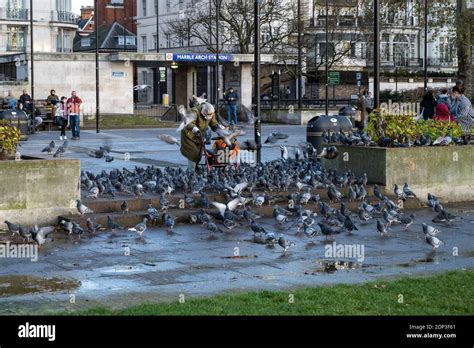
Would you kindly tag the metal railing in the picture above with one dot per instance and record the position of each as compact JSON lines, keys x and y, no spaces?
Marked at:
{"x":276,"y":104}
{"x":64,"y":17}
{"x":16,"y":48}
{"x":14,"y":14}
{"x":165,"y":113}
{"x":440,"y":62}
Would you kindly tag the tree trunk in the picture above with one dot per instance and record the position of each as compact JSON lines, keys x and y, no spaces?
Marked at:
{"x":464,"y":40}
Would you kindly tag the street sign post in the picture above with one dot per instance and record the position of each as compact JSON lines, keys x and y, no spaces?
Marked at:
{"x":334,"y":78}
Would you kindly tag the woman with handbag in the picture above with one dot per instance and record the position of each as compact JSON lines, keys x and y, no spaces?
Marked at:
{"x":61,"y":117}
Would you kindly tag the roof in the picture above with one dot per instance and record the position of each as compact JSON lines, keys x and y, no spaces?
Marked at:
{"x":107,"y":39}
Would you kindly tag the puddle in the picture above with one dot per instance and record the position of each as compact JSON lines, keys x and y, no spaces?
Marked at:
{"x":121,"y":269}
{"x":413,"y":263}
{"x":23,"y":285}
{"x":331,"y":266}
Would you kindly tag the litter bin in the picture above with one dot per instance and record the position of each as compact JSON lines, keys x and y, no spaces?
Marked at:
{"x":331,"y":124}
{"x":19,"y":119}
{"x":350,"y":112}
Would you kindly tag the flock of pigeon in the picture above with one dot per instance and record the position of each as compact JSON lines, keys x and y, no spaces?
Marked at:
{"x":245,"y":188}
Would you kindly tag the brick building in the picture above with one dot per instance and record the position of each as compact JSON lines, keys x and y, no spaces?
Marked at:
{"x":121,"y":11}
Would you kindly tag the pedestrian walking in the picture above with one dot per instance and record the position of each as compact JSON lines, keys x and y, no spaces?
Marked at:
{"x":61,"y":117}
{"x":231,"y":99}
{"x":74,"y":111}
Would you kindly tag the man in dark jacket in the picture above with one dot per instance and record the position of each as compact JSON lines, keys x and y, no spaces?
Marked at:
{"x":191,"y":135}
{"x":25,"y":99}
{"x":428,"y":105}
{"x":231,"y":99}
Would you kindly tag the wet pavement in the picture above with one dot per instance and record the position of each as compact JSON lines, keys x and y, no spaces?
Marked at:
{"x":120,"y":271}
{"x":144,"y":146}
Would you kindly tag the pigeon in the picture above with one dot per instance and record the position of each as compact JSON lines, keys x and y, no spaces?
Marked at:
{"x":124,"y":207}
{"x":109,"y":158}
{"x":309,"y":232}
{"x":49,"y":148}
{"x":112,"y":225}
{"x":364,"y":217}
{"x":230,"y":205}
{"x":169,"y":139}
{"x":212,"y":227}
{"x":274,"y":137}
{"x":284,"y":152}
{"x":443,"y":215}
{"x":381,"y":228}
{"x":169,"y":222}
{"x":82,"y":209}
{"x":204,"y":201}
{"x":61,"y":150}
{"x":327,"y":230}
{"x":433,"y":241}
{"x":186,"y":118}
{"x":76,"y":230}
{"x":377,"y":192}
{"x":142,"y":87}
{"x":407,"y":191}
{"x":12,"y":227}
{"x":229,"y":224}
{"x":66,"y":226}
{"x":152,"y":214}
{"x":237,"y":189}
{"x":139,"y":228}
{"x":407,"y":221}
{"x":24,"y":233}
{"x":399,"y":193}
{"x":40,"y":234}
{"x":256,"y":227}
{"x":285,"y":244}
{"x":138,"y":190}
{"x":93,"y":192}
{"x":427,"y":229}
{"x":390,"y":218}
{"x":91,"y":227}
{"x":349,"y":225}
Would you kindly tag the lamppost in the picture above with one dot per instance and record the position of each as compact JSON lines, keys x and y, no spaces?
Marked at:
{"x":426,"y":48}
{"x":218,"y":9}
{"x":327,"y":59}
{"x":376,"y":55}
{"x":256,"y":63}
{"x":32,"y":60}
{"x":300,"y":77}
{"x":97,"y":83}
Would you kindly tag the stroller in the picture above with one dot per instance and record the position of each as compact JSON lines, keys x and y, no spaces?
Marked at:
{"x":219,"y":156}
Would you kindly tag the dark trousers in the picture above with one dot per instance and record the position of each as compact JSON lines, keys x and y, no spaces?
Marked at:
{"x":75,"y":125}
{"x":231,"y":111}
{"x":63,"y":126}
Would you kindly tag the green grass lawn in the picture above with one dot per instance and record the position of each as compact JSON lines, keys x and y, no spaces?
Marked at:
{"x":445,"y":294}
{"x":128,"y":121}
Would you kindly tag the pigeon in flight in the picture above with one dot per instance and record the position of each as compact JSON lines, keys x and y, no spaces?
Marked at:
{"x":274,"y":137}
{"x":169,"y":139}
{"x":186,"y":118}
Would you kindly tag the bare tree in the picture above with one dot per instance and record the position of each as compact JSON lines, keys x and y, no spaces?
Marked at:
{"x":197,"y":25}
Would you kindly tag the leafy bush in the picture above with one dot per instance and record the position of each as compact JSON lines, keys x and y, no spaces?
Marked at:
{"x":400,"y":128}
{"x":9,"y":138}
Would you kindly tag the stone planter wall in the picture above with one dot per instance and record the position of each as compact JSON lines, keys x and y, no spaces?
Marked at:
{"x":38,"y":191}
{"x":446,"y":171}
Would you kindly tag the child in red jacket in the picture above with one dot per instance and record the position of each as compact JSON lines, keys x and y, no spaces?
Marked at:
{"x":442,"y":113}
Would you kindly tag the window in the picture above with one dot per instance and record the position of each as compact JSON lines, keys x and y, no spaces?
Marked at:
{"x":63,"y":5}
{"x":446,"y":50}
{"x":155,"y":42}
{"x":181,"y":5}
{"x":144,"y":8}
{"x":15,"y":38}
{"x":85,"y":42}
{"x":144,"y":44}
{"x":322,"y":50}
{"x":116,"y":2}
{"x":347,"y":21}
{"x":144,"y":77}
{"x":168,"y":5}
{"x":350,"y":49}
{"x":168,"y":40}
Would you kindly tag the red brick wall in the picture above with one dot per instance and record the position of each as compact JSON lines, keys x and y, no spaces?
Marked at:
{"x":121,"y":14}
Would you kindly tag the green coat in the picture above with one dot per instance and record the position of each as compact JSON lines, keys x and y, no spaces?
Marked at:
{"x":190,"y":143}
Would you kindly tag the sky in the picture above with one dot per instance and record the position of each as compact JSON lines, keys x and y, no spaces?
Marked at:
{"x":76,"y":4}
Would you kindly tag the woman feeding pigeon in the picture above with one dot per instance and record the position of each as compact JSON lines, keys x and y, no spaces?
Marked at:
{"x":192,"y":133}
